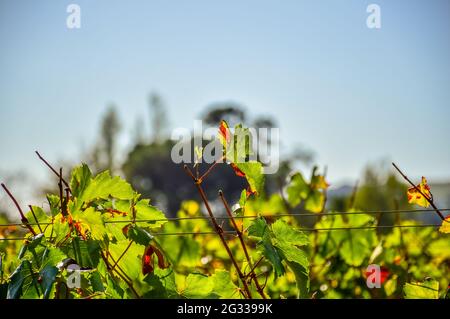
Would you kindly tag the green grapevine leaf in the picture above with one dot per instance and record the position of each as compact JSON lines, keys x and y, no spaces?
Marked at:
{"x":81,"y":177}
{"x":41,"y":217}
{"x":301,"y":277}
{"x":259,"y":229}
{"x":428,"y":289}
{"x":145,"y":211}
{"x":96,"y":281}
{"x":297,"y":189}
{"x":103,"y":186}
{"x":223,"y":286}
{"x":315,"y":201}
{"x":48,"y":277}
{"x":139,"y":235}
{"x":90,"y":221}
{"x":287,"y":235}
{"x":53,"y":201}
{"x":198,"y":286}
{"x":22,"y":274}
{"x":253,"y":174}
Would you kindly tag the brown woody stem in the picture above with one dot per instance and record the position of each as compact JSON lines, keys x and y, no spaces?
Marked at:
{"x":244,"y":246}
{"x":211,"y":168}
{"x":53,"y":170}
{"x":22,"y":216}
{"x":218,"y":230}
{"x":123,"y":277}
{"x":123,"y":254}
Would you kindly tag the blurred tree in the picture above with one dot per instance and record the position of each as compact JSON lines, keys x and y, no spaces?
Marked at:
{"x":158,"y":117}
{"x":110,"y":128}
{"x":231,"y":112}
{"x":138,"y":131}
{"x":264,"y":122}
{"x":379,"y":190}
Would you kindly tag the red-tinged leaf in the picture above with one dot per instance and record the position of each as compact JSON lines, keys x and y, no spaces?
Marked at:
{"x":147,"y":259}
{"x":224,"y":133}
{"x":384,"y":274}
{"x":237,"y":170}
{"x":416,"y":197}
{"x":114,"y":212}
{"x":162,"y":263}
{"x":80,"y":229}
{"x":125,"y":229}
{"x":249,"y":192}
{"x":445,"y":227}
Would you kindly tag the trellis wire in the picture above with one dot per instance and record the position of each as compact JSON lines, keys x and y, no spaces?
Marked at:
{"x":172,"y":219}
{"x":232,"y":232}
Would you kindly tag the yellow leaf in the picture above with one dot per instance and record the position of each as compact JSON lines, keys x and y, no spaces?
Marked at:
{"x":319,"y":182}
{"x":415,"y":197}
{"x":445,"y":228}
{"x":191,"y":207}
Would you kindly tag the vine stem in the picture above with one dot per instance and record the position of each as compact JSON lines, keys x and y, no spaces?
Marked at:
{"x":353,"y":196}
{"x":244,"y":246}
{"x":53,"y":170}
{"x":429,"y":200}
{"x":319,"y":217}
{"x":211,"y":168}
{"x":129,"y":283}
{"x":218,"y":230}
{"x":22,"y":216}
{"x":34,"y":215}
{"x":123,"y":254}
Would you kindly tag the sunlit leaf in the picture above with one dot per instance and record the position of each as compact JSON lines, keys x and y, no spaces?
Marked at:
{"x":418,"y":198}
{"x":153,"y":216}
{"x":80,"y":179}
{"x":224,"y":134}
{"x":139,"y":235}
{"x":445,"y":227}
{"x":90,"y":222}
{"x":287,"y":234}
{"x":297,"y":189}
{"x":428,"y":289}
{"x":198,"y":286}
{"x":315,"y":201}
{"x":103,"y":186}
{"x":260,"y":230}
{"x":253,"y":173}
{"x":223,"y":286}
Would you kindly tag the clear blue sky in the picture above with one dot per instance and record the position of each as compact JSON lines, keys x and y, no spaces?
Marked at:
{"x":350,"y":93}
